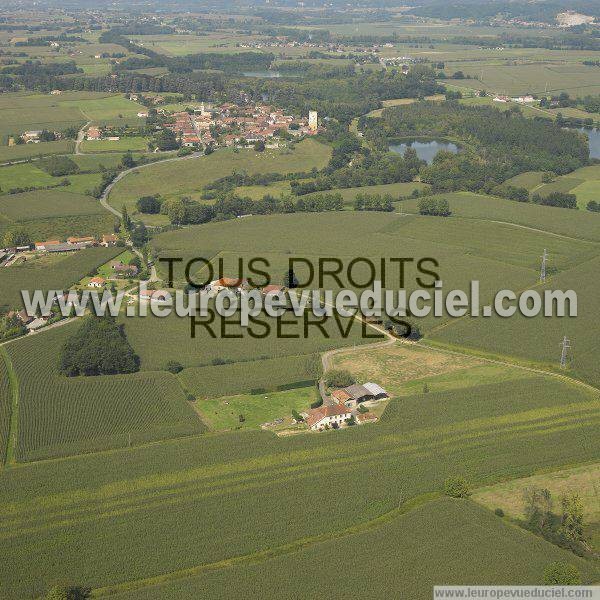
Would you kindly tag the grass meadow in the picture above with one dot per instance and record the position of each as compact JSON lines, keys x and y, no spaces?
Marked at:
{"x":581,"y":480}
{"x":188,"y":177}
{"x":27,"y":151}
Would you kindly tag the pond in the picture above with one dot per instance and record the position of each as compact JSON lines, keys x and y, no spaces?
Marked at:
{"x":594,"y":137}
{"x":426,"y":149}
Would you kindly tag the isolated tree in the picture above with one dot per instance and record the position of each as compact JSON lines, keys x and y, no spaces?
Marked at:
{"x":259,"y":146}
{"x":174,"y":367}
{"x":538,"y":507}
{"x":68,"y":592}
{"x":561,"y":573}
{"x":339,"y":378}
{"x":125,"y":220}
{"x":571,"y":524}
{"x":127,"y":161}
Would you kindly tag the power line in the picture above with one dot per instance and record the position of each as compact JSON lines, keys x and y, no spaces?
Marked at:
{"x":543,"y":269}
{"x":565,"y":346}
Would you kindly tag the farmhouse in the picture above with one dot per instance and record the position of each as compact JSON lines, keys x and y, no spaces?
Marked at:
{"x":230,"y":283}
{"x":122,"y":270}
{"x":96,"y":282}
{"x":327,"y":416}
{"x":353,"y":395}
{"x":41,"y":246}
{"x":93,"y":133}
{"x":31,"y":137}
{"x":109,"y":240}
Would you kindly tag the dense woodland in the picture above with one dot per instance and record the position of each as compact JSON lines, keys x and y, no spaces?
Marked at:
{"x":495,"y":145}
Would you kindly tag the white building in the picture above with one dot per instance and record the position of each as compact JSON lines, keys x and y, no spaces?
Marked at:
{"x":328,"y":416}
{"x":313,"y":120}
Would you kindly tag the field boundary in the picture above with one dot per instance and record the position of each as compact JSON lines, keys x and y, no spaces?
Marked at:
{"x":264,"y":555}
{"x":458,"y":350}
{"x":13,"y":383}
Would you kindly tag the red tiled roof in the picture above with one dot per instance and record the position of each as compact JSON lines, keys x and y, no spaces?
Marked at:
{"x":317,"y":414}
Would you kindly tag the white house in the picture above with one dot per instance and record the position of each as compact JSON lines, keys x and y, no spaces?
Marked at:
{"x":328,"y":416}
{"x":96,"y":282}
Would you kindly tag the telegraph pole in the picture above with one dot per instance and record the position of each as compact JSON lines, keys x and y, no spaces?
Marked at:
{"x":543,"y":269}
{"x":565,"y":346}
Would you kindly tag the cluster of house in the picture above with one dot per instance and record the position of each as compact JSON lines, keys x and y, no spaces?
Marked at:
{"x":33,"y":137}
{"x":31,"y":323}
{"x":343,"y":407}
{"x":234,"y":124}
{"x":518,"y":99}
{"x":75,"y":243}
{"x":95,"y":133}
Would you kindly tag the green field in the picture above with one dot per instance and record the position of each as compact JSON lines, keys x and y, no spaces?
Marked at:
{"x":256,"y":409}
{"x":25,"y":151}
{"x":584,"y":183}
{"x":248,"y":376}
{"x":147,"y":497}
{"x":539,"y":337}
{"x":60,"y":415}
{"x":25,"y":175}
{"x":47,"y":203}
{"x":188,"y":177}
{"x":398,"y":556}
{"x":561,"y":221}
{"x":22,"y":112}
{"x":53,"y":272}
{"x":139,"y":144}
{"x":6,"y":400}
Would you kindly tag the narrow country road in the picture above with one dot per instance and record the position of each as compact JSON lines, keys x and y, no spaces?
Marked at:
{"x":81,"y":137}
{"x":106,"y":193}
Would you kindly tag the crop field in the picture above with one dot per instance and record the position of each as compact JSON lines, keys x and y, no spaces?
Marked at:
{"x":5,"y":405}
{"x":48,"y":203}
{"x":159,"y":340}
{"x":141,"y":496}
{"x":60,"y":415}
{"x":584,"y":183}
{"x":403,"y":552}
{"x":24,"y":151}
{"x":561,"y":221}
{"x":534,"y":78}
{"x":250,"y":376}
{"x":539,"y":337}
{"x":498,"y":255}
{"x":63,"y":227}
{"x":188,"y":177}
{"x":250,"y":411}
{"x":528,"y":180}
{"x":50,"y":273}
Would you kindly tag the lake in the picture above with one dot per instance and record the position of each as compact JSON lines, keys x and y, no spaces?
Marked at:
{"x":594,"y":137}
{"x":426,"y":149}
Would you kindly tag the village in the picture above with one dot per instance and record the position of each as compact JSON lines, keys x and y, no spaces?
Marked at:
{"x":226,"y":124}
